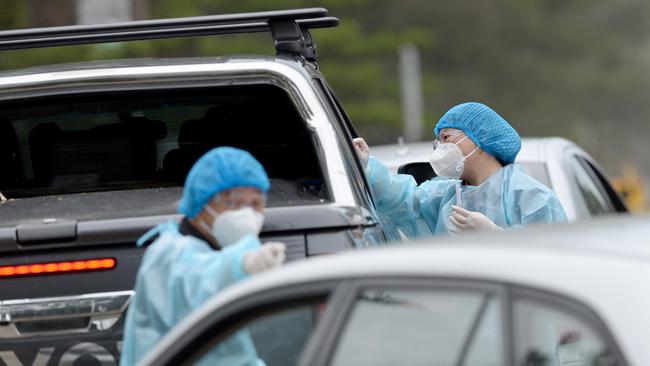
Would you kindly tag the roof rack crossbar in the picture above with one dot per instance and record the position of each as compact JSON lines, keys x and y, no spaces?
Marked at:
{"x":171,"y":23}
{"x":283,"y":24}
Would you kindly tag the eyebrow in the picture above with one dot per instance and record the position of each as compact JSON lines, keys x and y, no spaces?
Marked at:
{"x":452,"y":133}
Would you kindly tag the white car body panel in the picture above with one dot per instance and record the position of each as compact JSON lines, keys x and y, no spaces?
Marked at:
{"x":603,"y":264}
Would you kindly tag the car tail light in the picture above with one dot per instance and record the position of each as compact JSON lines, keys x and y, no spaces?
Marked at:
{"x":36,"y":269}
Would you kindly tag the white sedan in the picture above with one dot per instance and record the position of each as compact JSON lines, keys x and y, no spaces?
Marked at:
{"x":576,"y":295}
{"x":580,"y":184}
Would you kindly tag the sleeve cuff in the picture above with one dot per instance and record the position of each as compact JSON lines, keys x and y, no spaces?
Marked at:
{"x":237,"y":251}
{"x":371,"y":166}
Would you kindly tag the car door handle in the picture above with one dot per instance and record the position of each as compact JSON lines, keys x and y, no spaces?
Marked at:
{"x":62,"y":315}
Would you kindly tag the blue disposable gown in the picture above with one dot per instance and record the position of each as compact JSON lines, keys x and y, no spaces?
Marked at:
{"x":510,"y":198}
{"x":179,"y":273}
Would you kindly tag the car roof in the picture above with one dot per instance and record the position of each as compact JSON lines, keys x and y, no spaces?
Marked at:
{"x":133,"y":62}
{"x":541,"y":148}
{"x":599,"y":263}
{"x":25,"y":82}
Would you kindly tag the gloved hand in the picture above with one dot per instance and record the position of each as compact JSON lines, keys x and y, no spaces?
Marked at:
{"x":363,"y":151}
{"x":464,"y":220}
{"x":269,"y":256}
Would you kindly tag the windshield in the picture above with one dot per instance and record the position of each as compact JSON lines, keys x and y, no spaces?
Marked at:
{"x":150,"y":139}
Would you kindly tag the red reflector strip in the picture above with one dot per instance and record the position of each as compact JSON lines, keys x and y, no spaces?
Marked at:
{"x":58,"y":267}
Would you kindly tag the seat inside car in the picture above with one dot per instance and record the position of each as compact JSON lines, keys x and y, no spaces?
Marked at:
{"x":12,"y":172}
{"x":269,"y":128}
{"x":114,"y":152}
{"x":193,"y":141}
{"x":265,"y":130}
{"x":224,"y":125}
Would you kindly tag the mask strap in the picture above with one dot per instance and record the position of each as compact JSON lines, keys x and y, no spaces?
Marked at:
{"x":205,"y":226}
{"x":461,"y":140}
{"x":212,"y":213}
{"x":470,"y":154}
{"x":473,"y":151}
{"x":462,"y":161}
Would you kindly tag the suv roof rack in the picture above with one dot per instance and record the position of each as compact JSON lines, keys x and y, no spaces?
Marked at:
{"x":289,"y":28}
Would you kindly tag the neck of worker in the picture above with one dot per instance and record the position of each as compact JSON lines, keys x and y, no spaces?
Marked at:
{"x":195,"y":229}
{"x":480,"y":167}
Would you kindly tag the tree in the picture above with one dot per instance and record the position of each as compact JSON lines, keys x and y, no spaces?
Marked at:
{"x":550,"y":67}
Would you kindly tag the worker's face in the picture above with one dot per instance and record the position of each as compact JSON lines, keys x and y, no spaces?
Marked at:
{"x":466,"y":146}
{"x":455,"y":136}
{"x":234,"y":199}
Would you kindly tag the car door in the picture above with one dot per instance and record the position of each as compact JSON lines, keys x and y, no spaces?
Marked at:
{"x":346,"y":132}
{"x":307,"y":324}
{"x":416,"y":321}
{"x":273,"y":326}
{"x":399,"y":321}
{"x":464,"y":322}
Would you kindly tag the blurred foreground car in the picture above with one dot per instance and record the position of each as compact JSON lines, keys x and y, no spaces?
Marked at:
{"x":578,"y":295}
{"x":580,"y":184}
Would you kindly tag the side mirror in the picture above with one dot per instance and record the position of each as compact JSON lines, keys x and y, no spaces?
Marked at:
{"x":422,"y":172}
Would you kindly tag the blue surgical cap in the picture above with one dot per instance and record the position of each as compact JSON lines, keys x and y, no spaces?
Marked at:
{"x":220,"y":169}
{"x":485,"y":127}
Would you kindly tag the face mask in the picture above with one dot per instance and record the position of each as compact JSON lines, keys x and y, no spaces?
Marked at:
{"x":448,"y":160}
{"x":231,"y":226}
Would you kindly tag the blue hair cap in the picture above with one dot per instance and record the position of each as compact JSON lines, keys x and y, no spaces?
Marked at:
{"x":220,"y":169}
{"x":486,"y":128}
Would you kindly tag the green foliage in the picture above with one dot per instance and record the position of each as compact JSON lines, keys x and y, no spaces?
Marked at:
{"x":13,"y":14}
{"x":551,"y":67}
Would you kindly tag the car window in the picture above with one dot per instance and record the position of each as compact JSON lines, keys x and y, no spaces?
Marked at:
{"x":615,"y":202}
{"x":422,"y":327}
{"x":150,"y":139}
{"x":276,"y":339}
{"x":589,"y":188}
{"x":547,"y":334}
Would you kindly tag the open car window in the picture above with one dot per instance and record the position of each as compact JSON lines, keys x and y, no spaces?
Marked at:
{"x":150,"y":139}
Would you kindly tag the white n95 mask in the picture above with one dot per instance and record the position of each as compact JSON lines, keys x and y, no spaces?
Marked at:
{"x":448,"y":160}
{"x":231,"y":226}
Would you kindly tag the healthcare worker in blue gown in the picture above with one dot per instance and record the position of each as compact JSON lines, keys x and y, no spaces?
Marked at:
{"x":478,"y":186}
{"x":215,"y":245}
